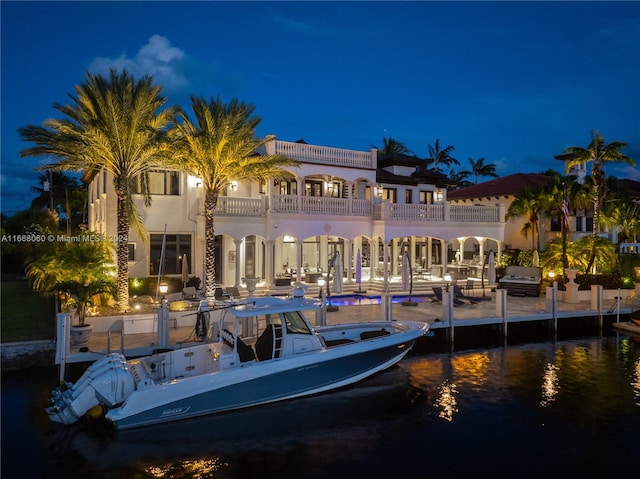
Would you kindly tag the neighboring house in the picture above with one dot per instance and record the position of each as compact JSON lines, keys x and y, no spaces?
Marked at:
{"x":337,"y":200}
{"x":503,"y":191}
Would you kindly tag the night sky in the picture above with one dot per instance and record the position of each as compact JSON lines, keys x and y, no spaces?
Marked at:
{"x":513,"y":82}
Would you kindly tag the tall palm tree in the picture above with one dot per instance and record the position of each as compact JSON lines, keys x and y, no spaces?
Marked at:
{"x":391,"y":146}
{"x":600,"y":153}
{"x":64,"y":194}
{"x":220,"y":147}
{"x":441,"y":156}
{"x":112,"y":124}
{"x":479,"y":168}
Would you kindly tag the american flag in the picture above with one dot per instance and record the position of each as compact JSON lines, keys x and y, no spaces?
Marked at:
{"x":565,"y":207}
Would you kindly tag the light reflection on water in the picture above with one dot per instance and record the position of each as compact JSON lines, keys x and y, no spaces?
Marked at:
{"x":576,"y":404}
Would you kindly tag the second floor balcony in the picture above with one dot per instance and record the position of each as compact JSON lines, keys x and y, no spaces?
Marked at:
{"x":384,"y":210}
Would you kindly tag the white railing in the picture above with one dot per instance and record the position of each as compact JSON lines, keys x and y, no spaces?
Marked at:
{"x":319,"y":205}
{"x":325,"y":206}
{"x":468,"y":213}
{"x":361,"y":208}
{"x":324,"y":155}
{"x":284,"y":204}
{"x":233,"y":206}
{"x":416,"y":212}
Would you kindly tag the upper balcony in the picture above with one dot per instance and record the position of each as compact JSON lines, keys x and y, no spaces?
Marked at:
{"x":385,"y":211}
{"x":324,"y":155}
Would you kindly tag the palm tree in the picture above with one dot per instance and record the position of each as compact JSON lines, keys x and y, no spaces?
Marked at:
{"x":624,"y":215}
{"x":391,"y":146}
{"x":77,"y":270}
{"x":600,"y":153}
{"x":438,"y":156}
{"x":112,"y":124}
{"x":220,"y":147}
{"x":460,"y":179}
{"x":479,"y":168}
{"x":64,"y":194}
{"x":528,"y":204}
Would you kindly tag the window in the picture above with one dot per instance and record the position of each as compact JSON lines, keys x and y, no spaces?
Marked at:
{"x":408,"y":196}
{"x":295,"y":324}
{"x":390,"y":194}
{"x":426,"y":197}
{"x":161,"y":183}
{"x":176,"y":246}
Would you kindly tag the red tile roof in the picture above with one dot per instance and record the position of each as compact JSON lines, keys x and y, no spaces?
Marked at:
{"x":505,"y":186}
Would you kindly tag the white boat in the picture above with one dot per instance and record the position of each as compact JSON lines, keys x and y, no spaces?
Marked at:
{"x":262,"y":351}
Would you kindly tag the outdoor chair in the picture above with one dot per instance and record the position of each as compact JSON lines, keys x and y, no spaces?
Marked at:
{"x":470,"y":285}
{"x":457,"y":293}
{"x":438,"y":292}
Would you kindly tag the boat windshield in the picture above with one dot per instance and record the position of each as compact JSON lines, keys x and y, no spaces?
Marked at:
{"x":295,"y":323}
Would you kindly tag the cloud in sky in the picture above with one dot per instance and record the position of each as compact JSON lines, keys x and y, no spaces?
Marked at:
{"x":157,"y":58}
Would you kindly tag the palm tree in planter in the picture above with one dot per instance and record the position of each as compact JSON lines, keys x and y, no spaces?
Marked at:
{"x":74,"y":271}
{"x":221,"y":147}
{"x":114,"y":124}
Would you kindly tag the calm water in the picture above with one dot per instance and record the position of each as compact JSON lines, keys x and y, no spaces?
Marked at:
{"x":568,"y":408}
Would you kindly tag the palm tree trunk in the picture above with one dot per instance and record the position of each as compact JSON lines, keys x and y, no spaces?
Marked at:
{"x":210,"y":202}
{"x":597,"y":175}
{"x":122,"y":250}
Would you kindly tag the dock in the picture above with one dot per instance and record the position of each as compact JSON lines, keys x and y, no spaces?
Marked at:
{"x":496,"y":308}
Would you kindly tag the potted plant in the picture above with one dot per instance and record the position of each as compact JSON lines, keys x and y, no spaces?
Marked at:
{"x":74,"y":272}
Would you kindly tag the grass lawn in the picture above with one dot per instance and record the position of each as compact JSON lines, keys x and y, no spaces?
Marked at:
{"x":25,"y":315}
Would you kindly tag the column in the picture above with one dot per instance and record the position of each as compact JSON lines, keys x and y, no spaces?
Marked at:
{"x":239,"y":261}
{"x":268,"y":263}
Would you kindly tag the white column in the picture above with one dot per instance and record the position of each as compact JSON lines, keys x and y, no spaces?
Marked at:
{"x":239,"y":261}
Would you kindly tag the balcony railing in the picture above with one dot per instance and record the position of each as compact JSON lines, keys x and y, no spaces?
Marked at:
{"x":324,"y":155}
{"x":318,"y":205}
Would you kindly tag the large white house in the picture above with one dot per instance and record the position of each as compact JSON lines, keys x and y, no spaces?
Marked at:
{"x":337,"y":200}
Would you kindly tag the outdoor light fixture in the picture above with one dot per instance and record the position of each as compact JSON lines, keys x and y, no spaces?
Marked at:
{"x":552,"y":275}
{"x":439,"y":196}
{"x":234,"y":185}
{"x":447,"y":278}
{"x":164,"y":288}
{"x":378,"y":190}
{"x":321,"y":283}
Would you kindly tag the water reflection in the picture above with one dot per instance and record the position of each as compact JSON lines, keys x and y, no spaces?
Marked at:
{"x":446,"y":400}
{"x":549,"y":384}
{"x":559,"y":399}
{"x":195,"y":469}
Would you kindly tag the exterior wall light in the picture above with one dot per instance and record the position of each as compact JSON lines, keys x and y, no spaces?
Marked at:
{"x":234,"y":185}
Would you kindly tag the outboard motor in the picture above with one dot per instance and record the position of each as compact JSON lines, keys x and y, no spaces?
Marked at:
{"x":107,"y":382}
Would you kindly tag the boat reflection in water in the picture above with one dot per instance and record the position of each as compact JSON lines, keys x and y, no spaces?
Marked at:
{"x":570,"y":407}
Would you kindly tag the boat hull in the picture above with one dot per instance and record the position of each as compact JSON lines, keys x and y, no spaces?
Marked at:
{"x":263,"y":383}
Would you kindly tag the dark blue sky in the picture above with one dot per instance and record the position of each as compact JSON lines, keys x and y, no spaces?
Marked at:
{"x":513,"y":82}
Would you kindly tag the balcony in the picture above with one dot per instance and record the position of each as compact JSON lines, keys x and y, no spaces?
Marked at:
{"x":324,"y":155}
{"x":317,"y":205}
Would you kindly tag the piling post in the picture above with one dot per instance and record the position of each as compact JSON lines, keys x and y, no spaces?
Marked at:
{"x":596,"y":301}
{"x":501,"y":308}
{"x":163,"y":325}
{"x":63,"y":335}
{"x":447,"y":312}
